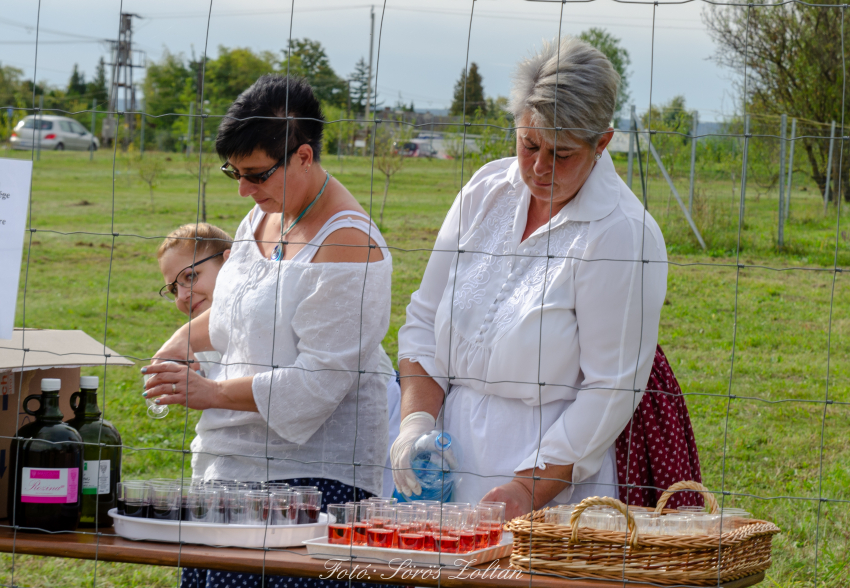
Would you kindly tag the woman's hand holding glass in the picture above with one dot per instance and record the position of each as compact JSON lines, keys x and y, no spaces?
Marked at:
{"x":174,"y":383}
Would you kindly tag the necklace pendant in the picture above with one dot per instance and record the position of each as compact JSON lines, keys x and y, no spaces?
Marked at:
{"x":276,"y":253}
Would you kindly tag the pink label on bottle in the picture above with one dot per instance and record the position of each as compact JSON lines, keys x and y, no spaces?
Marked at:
{"x":45,"y":474}
{"x":54,"y":485}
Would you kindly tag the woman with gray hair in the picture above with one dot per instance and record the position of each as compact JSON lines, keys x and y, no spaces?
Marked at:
{"x":534,"y":329}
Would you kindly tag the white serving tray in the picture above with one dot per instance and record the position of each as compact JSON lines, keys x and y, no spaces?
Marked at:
{"x":215,"y":534}
{"x":321,"y":549}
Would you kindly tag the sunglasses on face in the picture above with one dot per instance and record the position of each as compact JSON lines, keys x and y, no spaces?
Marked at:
{"x":169,"y":291}
{"x":257,"y":178}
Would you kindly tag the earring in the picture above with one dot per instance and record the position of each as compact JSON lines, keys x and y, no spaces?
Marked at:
{"x":598,"y":156}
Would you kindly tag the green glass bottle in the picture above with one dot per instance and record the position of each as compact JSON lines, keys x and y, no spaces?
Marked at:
{"x":46,"y":464}
{"x":101,"y":455}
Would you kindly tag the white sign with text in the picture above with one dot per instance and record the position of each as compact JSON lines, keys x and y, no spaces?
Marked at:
{"x":15,"y":180}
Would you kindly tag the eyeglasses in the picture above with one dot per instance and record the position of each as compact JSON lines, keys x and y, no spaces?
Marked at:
{"x":257,"y":178}
{"x":169,"y":291}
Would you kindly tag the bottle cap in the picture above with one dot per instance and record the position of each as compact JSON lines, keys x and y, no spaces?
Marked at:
{"x":89,"y":382}
{"x":51,"y":385}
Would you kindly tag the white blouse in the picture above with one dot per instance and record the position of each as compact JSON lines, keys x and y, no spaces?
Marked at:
{"x":570,"y":314}
{"x":323,"y":406}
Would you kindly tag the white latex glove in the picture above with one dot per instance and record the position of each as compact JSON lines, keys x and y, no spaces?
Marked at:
{"x":412,"y":427}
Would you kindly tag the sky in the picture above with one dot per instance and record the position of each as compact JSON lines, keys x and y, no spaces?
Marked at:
{"x":420,"y":46}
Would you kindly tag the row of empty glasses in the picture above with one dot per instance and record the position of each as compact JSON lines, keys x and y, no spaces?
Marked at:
{"x":423,"y":525}
{"x":220,"y":502}
{"x":689,"y":520}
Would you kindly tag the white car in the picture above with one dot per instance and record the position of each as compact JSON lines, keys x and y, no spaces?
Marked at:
{"x":56,"y":132}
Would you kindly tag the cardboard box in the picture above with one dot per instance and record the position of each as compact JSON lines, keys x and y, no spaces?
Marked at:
{"x":49,"y":354}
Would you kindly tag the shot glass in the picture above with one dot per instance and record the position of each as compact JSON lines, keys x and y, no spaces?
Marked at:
{"x":134,"y":498}
{"x":483,"y":516}
{"x":674,"y":524}
{"x":360,"y":519}
{"x":410,"y":526}
{"x":497,"y":519}
{"x":234,"y":505}
{"x":733,"y":518}
{"x":446,"y":535}
{"x":383,"y":531}
{"x":205,"y":504}
{"x":166,"y":502}
{"x":340,"y":522}
{"x":466,"y":529}
{"x":648,"y":523}
{"x":706,"y":524}
{"x":256,"y":508}
{"x":156,"y":411}
{"x":309,"y":505}
{"x":691,"y":509}
{"x":284,"y":508}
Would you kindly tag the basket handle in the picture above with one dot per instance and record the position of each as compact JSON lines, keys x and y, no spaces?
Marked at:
{"x":604,"y":501}
{"x":688,"y":485}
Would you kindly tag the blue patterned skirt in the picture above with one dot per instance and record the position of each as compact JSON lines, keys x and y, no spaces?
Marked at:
{"x":333,"y":492}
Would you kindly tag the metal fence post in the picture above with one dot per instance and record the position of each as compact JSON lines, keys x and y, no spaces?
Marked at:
{"x":191,"y":132}
{"x":829,"y":166}
{"x":783,"y":129}
{"x":694,"y":133}
{"x":37,"y":127}
{"x":743,"y":207}
{"x":93,"y":126}
{"x":790,"y":169}
{"x":142,"y":138}
{"x":632,"y":130}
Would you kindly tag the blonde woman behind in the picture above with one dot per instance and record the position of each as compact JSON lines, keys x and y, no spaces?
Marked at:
{"x":190,"y":258}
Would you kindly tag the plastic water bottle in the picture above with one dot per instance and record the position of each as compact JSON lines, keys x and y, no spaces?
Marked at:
{"x":435,"y":459}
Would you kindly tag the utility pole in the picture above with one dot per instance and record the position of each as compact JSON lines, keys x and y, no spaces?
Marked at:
{"x":122,"y":79}
{"x":371,"y":46}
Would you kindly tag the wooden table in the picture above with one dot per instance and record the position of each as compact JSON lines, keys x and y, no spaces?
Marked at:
{"x":290,"y":562}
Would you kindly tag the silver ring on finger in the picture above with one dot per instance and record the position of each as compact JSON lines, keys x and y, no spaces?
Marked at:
{"x":173,"y":388}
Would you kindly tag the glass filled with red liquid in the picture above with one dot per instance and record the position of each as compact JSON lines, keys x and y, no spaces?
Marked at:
{"x":283,"y":506}
{"x":340,"y":521}
{"x":360,"y":522}
{"x":383,"y":530}
{"x":494,"y":522}
{"x":466,"y":530}
{"x":410,"y":522}
{"x":309,"y":503}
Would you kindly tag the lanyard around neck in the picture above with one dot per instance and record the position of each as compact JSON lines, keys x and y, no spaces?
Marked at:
{"x":277,"y":253}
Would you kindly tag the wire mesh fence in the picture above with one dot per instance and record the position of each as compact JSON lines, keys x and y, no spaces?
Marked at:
{"x":755,"y":329}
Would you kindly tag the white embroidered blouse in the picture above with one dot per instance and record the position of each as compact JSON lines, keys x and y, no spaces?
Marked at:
{"x":573,"y":308}
{"x":323,"y":406}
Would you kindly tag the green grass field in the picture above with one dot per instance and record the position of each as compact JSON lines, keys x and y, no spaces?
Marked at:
{"x":776,"y":441}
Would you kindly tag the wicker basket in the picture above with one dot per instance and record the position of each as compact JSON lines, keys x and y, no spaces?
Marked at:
{"x":700,"y":560}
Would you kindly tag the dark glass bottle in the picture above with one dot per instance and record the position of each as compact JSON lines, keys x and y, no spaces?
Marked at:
{"x":101,"y":455}
{"x":46,"y":467}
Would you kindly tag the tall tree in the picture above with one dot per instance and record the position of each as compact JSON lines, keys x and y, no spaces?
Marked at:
{"x":609,"y":45}
{"x":791,"y":55}
{"x":96,"y":88}
{"x":309,"y":60}
{"x":77,"y":83}
{"x":474,"y":97}
{"x":359,"y":85}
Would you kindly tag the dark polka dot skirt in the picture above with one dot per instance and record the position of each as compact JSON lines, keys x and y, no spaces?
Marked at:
{"x":333,"y":492}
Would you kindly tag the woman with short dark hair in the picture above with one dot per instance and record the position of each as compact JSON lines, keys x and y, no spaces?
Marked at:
{"x":300,"y":309}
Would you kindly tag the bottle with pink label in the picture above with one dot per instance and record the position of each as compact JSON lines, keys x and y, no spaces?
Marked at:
{"x":46,"y":467}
